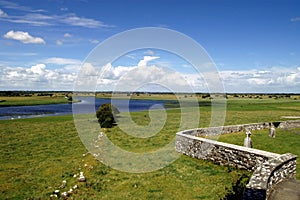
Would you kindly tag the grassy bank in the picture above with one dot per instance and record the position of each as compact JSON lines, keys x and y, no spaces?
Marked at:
{"x":33,"y":100}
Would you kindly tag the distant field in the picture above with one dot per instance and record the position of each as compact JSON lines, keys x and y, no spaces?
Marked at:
{"x":33,"y":100}
{"x":38,"y":154}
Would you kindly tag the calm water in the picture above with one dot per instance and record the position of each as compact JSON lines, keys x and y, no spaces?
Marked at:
{"x":85,"y":106}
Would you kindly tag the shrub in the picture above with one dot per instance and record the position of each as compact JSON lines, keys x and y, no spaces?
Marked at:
{"x":105,"y":115}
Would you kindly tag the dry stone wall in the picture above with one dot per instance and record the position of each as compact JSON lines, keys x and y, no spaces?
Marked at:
{"x":242,"y":127}
{"x":268,"y":168}
{"x":220,"y":152}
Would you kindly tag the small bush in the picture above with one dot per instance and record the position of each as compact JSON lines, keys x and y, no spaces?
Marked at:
{"x":105,"y":115}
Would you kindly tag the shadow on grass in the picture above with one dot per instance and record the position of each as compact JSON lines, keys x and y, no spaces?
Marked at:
{"x":239,"y":188}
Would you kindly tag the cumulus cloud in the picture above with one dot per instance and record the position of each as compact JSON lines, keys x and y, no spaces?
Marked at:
{"x":44,"y":76}
{"x":123,"y":78}
{"x":275,"y":79}
{"x":131,"y":78}
{"x":36,"y":77}
{"x":23,"y":37}
{"x":115,"y":73}
{"x":37,"y":69}
{"x":146,"y":60}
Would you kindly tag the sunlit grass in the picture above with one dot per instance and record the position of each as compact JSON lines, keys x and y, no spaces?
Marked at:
{"x":34,"y":100}
{"x":286,"y":141}
{"x":38,"y":153}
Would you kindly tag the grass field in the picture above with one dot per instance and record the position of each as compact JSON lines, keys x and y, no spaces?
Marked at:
{"x":33,"y":100}
{"x":286,"y":140}
{"x":38,"y":154}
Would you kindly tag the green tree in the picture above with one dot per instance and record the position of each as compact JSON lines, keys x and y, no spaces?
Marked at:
{"x":105,"y":115}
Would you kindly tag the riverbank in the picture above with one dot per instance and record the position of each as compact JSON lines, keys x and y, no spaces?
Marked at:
{"x":32,"y":100}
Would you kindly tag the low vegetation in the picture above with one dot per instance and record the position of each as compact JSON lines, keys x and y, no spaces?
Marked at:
{"x":106,"y":115}
{"x":38,"y":154}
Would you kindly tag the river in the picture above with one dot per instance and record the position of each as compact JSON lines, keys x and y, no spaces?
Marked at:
{"x":17,"y":112}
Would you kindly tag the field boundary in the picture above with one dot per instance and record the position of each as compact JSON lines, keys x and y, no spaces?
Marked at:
{"x":268,"y":168}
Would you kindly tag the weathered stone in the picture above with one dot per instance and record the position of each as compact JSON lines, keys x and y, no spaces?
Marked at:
{"x":269,"y":168}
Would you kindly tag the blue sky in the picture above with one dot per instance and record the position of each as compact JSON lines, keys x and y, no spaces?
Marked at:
{"x":254,"y":44}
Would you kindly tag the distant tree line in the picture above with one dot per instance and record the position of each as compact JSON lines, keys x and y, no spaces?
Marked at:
{"x":32,"y":93}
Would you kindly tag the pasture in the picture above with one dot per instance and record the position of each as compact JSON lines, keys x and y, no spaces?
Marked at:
{"x":38,"y":154}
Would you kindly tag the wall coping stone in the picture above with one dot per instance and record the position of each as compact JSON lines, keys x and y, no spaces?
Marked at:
{"x":232,"y":146}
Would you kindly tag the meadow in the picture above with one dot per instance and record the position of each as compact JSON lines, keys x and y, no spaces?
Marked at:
{"x":31,"y":100}
{"x":286,"y":140}
{"x":38,"y":154}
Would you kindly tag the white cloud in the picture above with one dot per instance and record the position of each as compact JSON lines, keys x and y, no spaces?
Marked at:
{"x":69,"y":65}
{"x":67,"y":35}
{"x":74,"y":20}
{"x":115,"y":73}
{"x":24,"y":37}
{"x":59,"y":42}
{"x":275,"y":79}
{"x":62,"y":61}
{"x":2,"y":13}
{"x":64,"y":9}
{"x":15,"y":6}
{"x":295,"y":19}
{"x":94,"y":41}
{"x":44,"y":75}
{"x":38,"y":19}
{"x":132,"y":78}
{"x":34,"y":19}
{"x":36,"y":77}
{"x":38,"y":69}
{"x":149,"y":52}
{"x":146,"y":60}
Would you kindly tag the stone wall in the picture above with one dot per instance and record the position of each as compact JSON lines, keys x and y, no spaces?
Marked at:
{"x":220,"y":152}
{"x":242,"y":127}
{"x":268,"y":168}
{"x":268,"y":174}
{"x":289,"y":124}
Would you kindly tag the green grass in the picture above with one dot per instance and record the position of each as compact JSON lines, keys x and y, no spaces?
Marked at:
{"x":38,"y":153}
{"x":34,"y":100}
{"x":286,"y":141}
